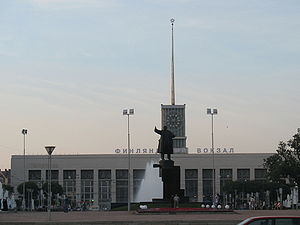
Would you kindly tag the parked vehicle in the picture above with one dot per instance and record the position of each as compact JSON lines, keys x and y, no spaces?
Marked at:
{"x":272,"y":220}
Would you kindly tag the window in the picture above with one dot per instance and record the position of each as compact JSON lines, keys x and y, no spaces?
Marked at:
{"x":260,"y":174}
{"x":35,"y":176}
{"x":104,"y":186}
{"x":261,"y":222}
{"x":87,"y":174}
{"x":69,"y":186}
{"x":225,"y":177}
{"x":287,"y":221}
{"x":121,"y":185}
{"x":69,"y":174}
{"x":87,"y":186}
{"x":54,"y":175}
{"x":243,"y":174}
{"x":207,"y":179}
{"x":191,"y":184}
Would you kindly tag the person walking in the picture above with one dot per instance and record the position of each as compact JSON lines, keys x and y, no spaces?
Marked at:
{"x":176,"y":201}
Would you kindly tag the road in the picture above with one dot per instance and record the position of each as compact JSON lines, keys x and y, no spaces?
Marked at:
{"x":131,"y":218}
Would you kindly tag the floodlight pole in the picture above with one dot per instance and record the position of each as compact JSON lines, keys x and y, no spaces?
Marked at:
{"x":213,"y":112}
{"x":127,"y":113}
{"x":24,"y":132}
{"x":49,"y":150}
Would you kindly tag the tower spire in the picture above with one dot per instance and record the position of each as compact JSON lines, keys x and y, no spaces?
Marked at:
{"x":172,"y":67}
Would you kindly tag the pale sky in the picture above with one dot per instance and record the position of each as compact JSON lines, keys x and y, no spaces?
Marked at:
{"x":69,"y":67}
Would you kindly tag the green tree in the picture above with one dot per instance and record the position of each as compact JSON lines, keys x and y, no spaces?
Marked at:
{"x":8,"y":188}
{"x":285,"y":164}
{"x":56,"y":188}
{"x":253,"y":186}
{"x":29,"y":186}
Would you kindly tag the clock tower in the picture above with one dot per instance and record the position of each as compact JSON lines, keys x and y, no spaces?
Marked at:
{"x":173,"y":116}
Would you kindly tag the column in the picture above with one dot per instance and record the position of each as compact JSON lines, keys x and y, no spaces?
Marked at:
{"x":217,"y":180}
{"x":200,"y":185}
{"x":252,"y":176}
{"x":234,"y":174}
{"x":78,"y":187}
{"x":60,"y":177}
{"x":43,"y":176}
{"x":96,"y":187}
{"x":182,"y":178}
{"x":113,"y":185}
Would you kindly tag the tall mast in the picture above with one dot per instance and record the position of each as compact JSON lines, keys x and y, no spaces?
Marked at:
{"x":172,"y":68}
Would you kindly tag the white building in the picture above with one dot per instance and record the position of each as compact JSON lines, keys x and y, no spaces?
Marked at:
{"x":102,"y":179}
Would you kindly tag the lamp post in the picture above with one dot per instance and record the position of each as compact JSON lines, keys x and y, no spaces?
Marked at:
{"x":49,"y":150}
{"x":213,"y":112}
{"x":24,"y":132}
{"x":127,"y":113}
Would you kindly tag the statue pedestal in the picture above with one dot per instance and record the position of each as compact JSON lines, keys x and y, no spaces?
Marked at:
{"x":170,"y":175}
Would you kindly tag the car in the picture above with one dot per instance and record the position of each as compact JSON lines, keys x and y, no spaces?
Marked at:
{"x":272,"y":220}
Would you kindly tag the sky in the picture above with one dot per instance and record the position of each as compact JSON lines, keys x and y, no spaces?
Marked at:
{"x":68,"y":68}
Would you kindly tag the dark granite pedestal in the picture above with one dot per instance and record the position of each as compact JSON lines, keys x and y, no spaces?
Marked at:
{"x":170,"y":175}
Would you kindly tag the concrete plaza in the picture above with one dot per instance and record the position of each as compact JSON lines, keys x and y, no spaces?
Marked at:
{"x":131,"y":218}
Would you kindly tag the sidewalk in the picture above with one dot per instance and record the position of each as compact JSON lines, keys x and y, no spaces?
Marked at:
{"x":121,"y":217}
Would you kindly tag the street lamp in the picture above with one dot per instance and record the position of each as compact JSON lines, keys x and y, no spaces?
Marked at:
{"x":49,"y":150}
{"x":213,"y":112}
{"x":24,"y":132}
{"x":127,"y":113}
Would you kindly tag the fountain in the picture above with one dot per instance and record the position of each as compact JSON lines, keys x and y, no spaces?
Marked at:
{"x":151,"y":186}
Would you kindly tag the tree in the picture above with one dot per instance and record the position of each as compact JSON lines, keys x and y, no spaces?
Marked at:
{"x":29,"y":186}
{"x":8,"y":188}
{"x":253,"y":186}
{"x":56,"y":188}
{"x":285,"y":164}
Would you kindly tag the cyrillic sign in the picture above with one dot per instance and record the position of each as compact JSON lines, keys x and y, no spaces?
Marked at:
{"x":136,"y":151}
{"x":217,"y":150}
{"x":153,"y":151}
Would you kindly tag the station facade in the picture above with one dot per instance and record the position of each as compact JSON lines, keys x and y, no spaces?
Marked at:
{"x":102,"y":179}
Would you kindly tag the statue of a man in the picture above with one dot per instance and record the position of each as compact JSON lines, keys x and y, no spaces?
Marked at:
{"x":165,"y":145}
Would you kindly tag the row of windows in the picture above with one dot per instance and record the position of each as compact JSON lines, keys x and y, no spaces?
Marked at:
{"x":105,"y":182}
{"x":191,"y":180}
{"x":242,"y":174}
{"x":85,"y":174}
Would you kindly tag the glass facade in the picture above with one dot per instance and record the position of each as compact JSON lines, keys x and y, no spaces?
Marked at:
{"x":207,"y":180}
{"x":54,"y":175}
{"x":225,"y":176}
{"x":112,"y":185}
{"x":260,"y":174}
{"x":243,"y":174}
{"x":35,"y":176}
{"x":104,"y":177}
{"x":87,"y":187}
{"x":121,"y":185}
{"x":191,"y":184}
{"x":69,"y":186}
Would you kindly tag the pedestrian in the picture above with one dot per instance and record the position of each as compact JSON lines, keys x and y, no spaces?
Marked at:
{"x":176,"y":201}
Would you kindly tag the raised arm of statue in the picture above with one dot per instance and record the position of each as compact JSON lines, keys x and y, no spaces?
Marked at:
{"x":157,"y":131}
